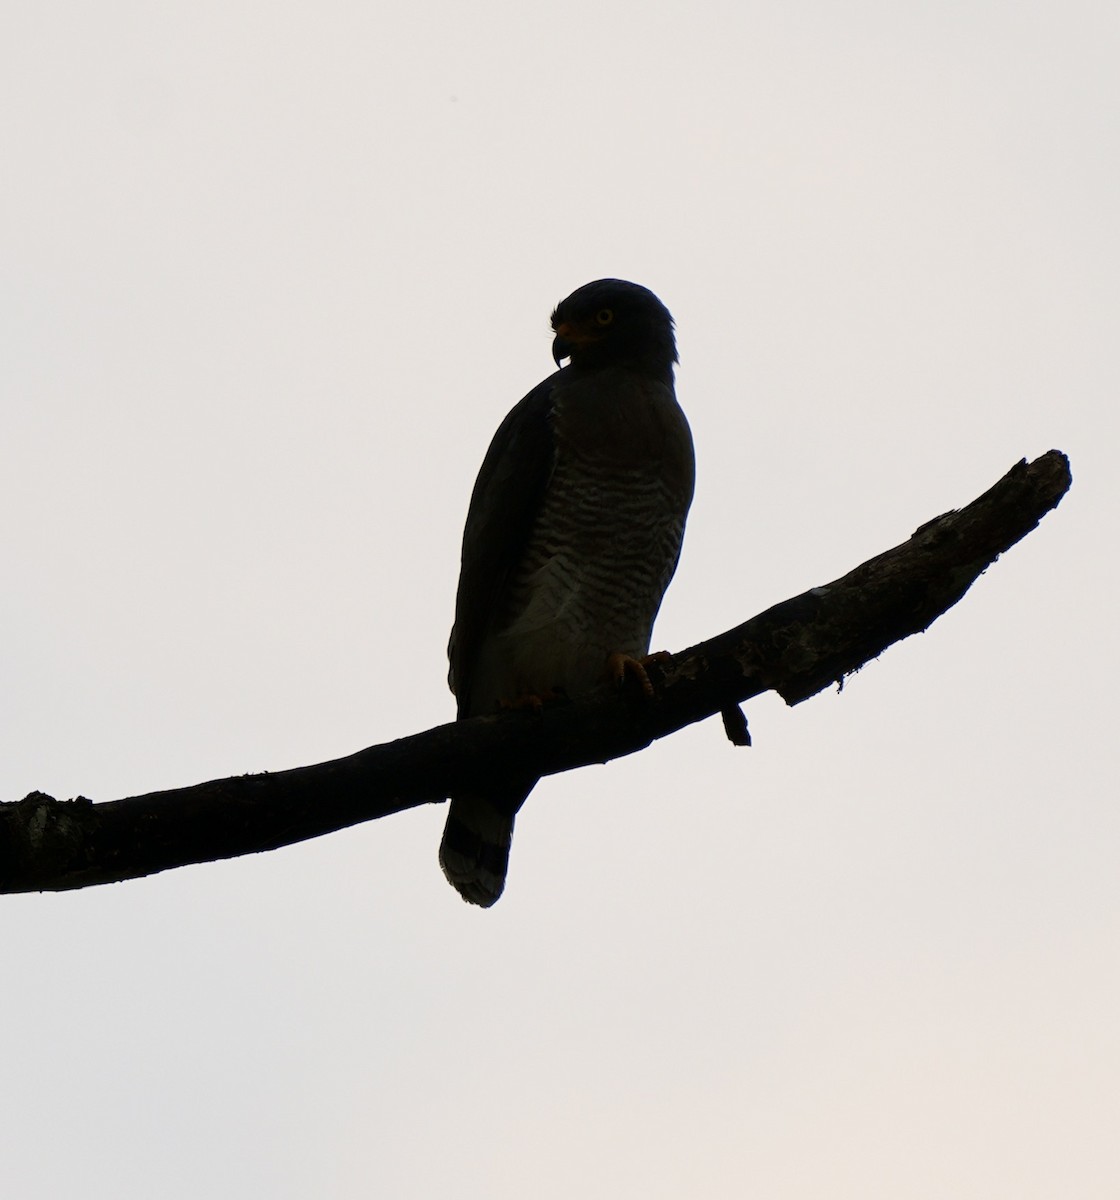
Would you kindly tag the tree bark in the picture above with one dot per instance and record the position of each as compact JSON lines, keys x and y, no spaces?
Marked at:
{"x":797,"y":648}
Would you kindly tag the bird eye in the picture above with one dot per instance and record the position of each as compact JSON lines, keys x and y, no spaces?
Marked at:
{"x":604,"y":316}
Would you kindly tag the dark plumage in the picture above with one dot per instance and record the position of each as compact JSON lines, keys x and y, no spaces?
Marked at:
{"x":573,"y":533}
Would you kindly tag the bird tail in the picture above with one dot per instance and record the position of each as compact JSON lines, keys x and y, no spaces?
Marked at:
{"x":474,"y":853}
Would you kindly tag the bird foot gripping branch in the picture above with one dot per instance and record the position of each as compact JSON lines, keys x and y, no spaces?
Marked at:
{"x":619,"y":666}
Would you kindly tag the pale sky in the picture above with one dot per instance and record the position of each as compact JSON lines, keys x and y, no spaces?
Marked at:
{"x":271,"y":276}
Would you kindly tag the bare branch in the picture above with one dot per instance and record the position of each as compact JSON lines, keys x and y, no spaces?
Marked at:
{"x":797,"y":649}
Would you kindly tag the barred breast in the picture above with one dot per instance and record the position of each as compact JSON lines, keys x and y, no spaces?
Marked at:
{"x":605,"y":544}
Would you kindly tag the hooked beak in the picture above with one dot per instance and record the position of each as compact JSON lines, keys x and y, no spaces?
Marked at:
{"x":570,"y":337}
{"x":561,"y":348}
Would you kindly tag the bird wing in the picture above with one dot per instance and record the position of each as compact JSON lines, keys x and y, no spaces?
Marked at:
{"x":506,"y":500}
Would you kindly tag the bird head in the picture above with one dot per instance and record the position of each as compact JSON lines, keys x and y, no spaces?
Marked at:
{"x":614,"y":323}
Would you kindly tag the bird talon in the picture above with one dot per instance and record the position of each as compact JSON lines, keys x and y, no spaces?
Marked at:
{"x":620,"y":665}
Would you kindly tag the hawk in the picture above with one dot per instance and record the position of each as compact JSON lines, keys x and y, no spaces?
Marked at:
{"x":573,"y":533}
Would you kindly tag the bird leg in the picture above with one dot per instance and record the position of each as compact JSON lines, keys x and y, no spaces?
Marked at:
{"x":620,"y":665}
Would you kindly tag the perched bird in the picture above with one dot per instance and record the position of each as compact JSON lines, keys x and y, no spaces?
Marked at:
{"x":573,"y":533}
